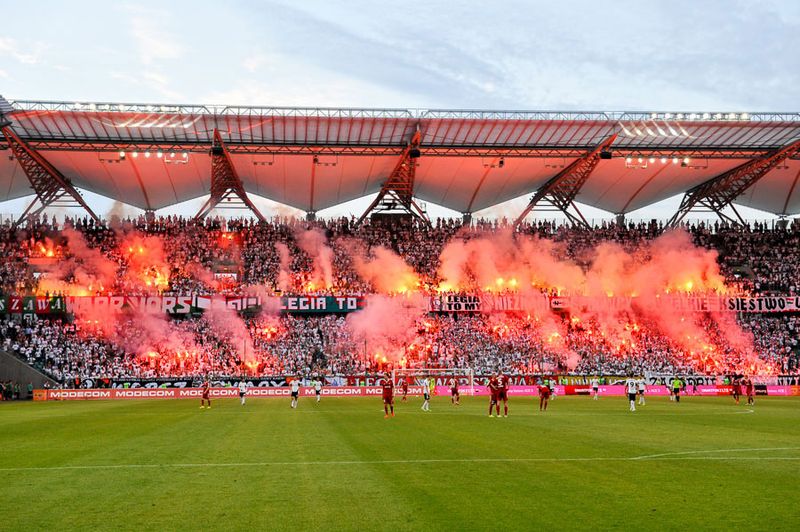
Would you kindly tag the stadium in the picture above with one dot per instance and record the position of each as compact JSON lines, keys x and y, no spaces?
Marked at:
{"x":237,"y":365}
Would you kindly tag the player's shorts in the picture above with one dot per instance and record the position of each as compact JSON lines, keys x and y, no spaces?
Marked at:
{"x":495,"y":398}
{"x":317,"y":392}
{"x":676,"y":391}
{"x":503,"y":395}
{"x":241,"y":394}
{"x":545,"y":394}
{"x":387,"y":400}
{"x":453,"y":391}
{"x":205,"y":395}
{"x":426,"y":396}
{"x":631,"y":397}
{"x":295,"y":395}
{"x":594,"y":390}
{"x":405,"y":390}
{"x":641,"y":392}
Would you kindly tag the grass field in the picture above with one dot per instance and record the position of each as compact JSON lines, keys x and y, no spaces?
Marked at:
{"x":165,"y":464}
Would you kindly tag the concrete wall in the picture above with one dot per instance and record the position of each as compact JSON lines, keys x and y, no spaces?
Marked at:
{"x":14,"y":369}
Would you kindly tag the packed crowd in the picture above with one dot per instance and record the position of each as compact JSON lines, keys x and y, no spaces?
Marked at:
{"x":327,"y":345}
{"x":756,"y":259}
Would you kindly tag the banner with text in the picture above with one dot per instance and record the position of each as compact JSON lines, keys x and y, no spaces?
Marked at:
{"x":488,"y":303}
{"x":473,"y":303}
{"x":321,"y":304}
{"x":174,"y":305}
{"x":529,"y":303}
{"x":364,"y":391}
{"x":215,"y":393}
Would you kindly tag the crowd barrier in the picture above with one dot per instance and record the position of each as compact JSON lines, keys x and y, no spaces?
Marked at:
{"x":376,"y":391}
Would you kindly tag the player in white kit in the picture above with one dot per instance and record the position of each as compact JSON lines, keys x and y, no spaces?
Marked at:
{"x":632,"y":385}
{"x":318,"y":389}
{"x":295,"y":387}
{"x":242,"y":391}
{"x":595,"y":388}
{"x":426,"y":395}
{"x":642,"y":387}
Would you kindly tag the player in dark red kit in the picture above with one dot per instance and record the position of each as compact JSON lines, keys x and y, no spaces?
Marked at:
{"x":405,"y":388}
{"x":750,"y":390}
{"x":206,"y":397}
{"x":502,"y":395}
{"x":737,"y":389}
{"x":494,"y":395}
{"x":455,"y":396}
{"x":388,"y":396}
{"x":544,"y":397}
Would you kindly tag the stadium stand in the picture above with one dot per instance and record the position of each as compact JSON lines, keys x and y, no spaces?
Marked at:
{"x":69,"y":349}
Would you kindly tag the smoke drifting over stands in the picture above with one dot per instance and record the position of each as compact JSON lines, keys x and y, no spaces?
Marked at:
{"x":397,"y":269}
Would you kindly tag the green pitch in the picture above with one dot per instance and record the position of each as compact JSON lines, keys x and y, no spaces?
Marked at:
{"x":166,"y":464}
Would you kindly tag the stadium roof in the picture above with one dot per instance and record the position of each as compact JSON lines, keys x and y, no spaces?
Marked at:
{"x":313,"y":158}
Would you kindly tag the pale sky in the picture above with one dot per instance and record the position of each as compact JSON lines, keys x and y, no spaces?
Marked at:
{"x":565,"y":55}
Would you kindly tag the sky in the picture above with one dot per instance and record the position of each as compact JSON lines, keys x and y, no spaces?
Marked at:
{"x":565,"y":55}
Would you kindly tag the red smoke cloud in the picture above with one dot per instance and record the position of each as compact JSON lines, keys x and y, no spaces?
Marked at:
{"x":147,"y":266}
{"x":388,"y":325}
{"x":384,"y":270}
{"x":83,"y":271}
{"x":500,"y":262}
{"x":314,"y":243}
